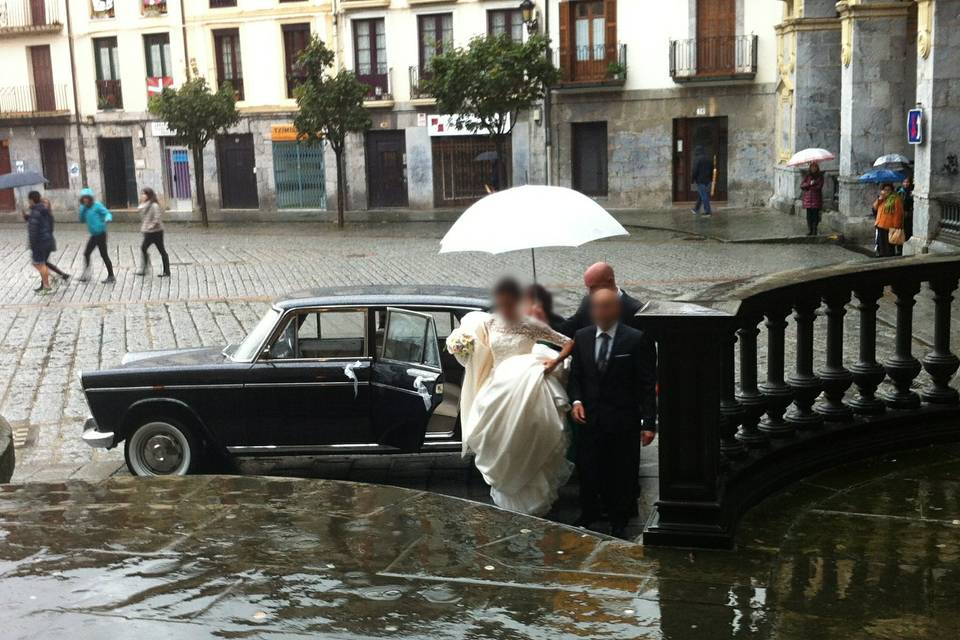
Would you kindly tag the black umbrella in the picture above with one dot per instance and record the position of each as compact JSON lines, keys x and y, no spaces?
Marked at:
{"x":25,"y":179}
{"x":486,"y":156}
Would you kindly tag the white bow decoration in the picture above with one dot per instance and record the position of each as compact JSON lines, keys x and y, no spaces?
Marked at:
{"x":424,"y":392}
{"x":350,"y":373}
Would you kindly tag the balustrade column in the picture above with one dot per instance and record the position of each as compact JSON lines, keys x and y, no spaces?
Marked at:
{"x":867,"y":372}
{"x":803,"y":382}
{"x":902,"y":367}
{"x":731,"y":413}
{"x":835,"y":377}
{"x":750,"y":397}
{"x":940,"y":364}
{"x":775,"y":391}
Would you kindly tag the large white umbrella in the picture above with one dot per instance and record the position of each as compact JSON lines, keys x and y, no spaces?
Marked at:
{"x":529,"y":217}
{"x":806,"y":156}
{"x":891,"y":159}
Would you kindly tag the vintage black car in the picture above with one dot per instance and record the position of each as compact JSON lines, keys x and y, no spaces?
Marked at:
{"x":342,"y":371}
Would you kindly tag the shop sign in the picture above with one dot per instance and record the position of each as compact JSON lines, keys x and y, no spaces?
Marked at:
{"x":283,"y":133}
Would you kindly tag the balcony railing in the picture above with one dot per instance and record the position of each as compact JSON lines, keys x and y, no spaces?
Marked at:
{"x":718,"y":58}
{"x":109,"y":95}
{"x":592,"y":65}
{"x":417,"y":92}
{"x":950,"y":215}
{"x":32,"y":101}
{"x":380,"y":84}
{"x":729,"y":441}
{"x":29,"y":16}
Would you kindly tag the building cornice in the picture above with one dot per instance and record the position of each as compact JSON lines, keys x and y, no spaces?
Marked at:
{"x":855,"y":9}
{"x":793,"y":25}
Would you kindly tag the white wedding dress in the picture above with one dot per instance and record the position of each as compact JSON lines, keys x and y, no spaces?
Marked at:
{"x":511,"y":412}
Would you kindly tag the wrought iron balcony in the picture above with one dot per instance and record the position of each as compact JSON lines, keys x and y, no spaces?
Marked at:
{"x":729,"y":441}
{"x":417,"y":91}
{"x":599,"y":65}
{"x":33,"y":102}
{"x":712,"y":59}
{"x":26,"y":17}
{"x":380,"y":85}
{"x":109,"y":95}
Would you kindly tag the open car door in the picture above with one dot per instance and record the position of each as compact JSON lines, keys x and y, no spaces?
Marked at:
{"x":407,"y":379}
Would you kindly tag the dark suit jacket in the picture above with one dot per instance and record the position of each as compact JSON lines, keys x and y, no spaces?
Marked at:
{"x":623,"y":396}
{"x":628,"y":310}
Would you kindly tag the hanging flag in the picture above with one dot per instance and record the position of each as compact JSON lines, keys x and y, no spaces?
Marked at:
{"x":156,"y":85}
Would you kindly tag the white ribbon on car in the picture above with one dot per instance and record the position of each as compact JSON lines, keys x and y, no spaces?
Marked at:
{"x":350,"y":372}
{"x":423,"y":391}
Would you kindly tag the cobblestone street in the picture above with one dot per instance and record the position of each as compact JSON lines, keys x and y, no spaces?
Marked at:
{"x":224,"y":277}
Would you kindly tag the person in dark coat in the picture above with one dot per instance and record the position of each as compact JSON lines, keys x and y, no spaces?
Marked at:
{"x":609,"y":378}
{"x":702,"y":178}
{"x":599,"y":277}
{"x":812,"y":200}
{"x":40,"y":237}
{"x":906,"y":194}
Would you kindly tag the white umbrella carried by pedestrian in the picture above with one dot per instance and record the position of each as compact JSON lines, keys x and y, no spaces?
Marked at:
{"x":530,"y":217}
{"x":806,"y":156}
{"x":891,"y":159}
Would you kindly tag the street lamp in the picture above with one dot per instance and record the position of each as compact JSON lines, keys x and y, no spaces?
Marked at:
{"x":528,"y":11}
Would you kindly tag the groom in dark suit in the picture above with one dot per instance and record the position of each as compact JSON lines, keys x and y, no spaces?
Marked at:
{"x":612,"y":390}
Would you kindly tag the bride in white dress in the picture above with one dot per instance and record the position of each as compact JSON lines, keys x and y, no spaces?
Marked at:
{"x":512,"y":403}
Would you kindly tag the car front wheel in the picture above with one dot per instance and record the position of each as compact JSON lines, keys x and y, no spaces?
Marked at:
{"x":160,"y":448}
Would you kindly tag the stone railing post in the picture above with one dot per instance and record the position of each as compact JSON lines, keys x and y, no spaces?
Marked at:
{"x":691,"y":341}
{"x":940,"y":364}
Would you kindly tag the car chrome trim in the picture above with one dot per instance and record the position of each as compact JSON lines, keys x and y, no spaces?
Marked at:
{"x":305,"y":448}
{"x":94,"y":437}
{"x":303,"y":384}
{"x":395,"y":388}
{"x":167,"y":387}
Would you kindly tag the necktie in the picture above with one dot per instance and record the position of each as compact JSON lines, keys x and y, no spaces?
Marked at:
{"x":604,"y":352}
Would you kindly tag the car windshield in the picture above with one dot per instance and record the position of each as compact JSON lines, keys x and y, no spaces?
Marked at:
{"x":247,"y":350}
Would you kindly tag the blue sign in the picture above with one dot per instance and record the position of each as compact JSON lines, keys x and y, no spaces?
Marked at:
{"x":915,"y":126}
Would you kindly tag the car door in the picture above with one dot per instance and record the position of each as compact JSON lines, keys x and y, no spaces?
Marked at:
{"x":311,"y":386}
{"x":406,"y":380}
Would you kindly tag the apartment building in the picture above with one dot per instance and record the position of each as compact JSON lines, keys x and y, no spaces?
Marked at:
{"x":622,"y":125}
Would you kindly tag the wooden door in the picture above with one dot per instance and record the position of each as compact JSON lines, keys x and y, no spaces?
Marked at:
{"x":387,"y":168}
{"x":42,"y":78}
{"x":38,"y":12}
{"x":590,"y":158}
{"x":119,"y":173}
{"x":716,"y":36}
{"x":237,"y":167}
{"x":711,"y":135}
{"x":8,"y":201}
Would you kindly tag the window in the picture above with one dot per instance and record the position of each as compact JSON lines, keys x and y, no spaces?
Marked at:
{"x":509,"y":21}
{"x":435,"y":34}
{"x":154,"y":7}
{"x":217,"y":4}
{"x":109,"y":94}
{"x":296,"y":37}
{"x":590,"y":28}
{"x":101,"y":9}
{"x":370,"y":54}
{"x":411,"y":338}
{"x":323,"y":334}
{"x":156,"y":49}
{"x":226,"y":44}
{"x":53,"y":159}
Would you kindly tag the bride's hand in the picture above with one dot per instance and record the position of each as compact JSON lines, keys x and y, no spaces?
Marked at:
{"x":550,"y":365}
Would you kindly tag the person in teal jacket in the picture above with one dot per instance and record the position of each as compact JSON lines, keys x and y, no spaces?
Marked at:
{"x":96,"y":216}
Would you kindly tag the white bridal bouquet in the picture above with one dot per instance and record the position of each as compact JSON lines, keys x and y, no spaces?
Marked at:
{"x":461,"y":344}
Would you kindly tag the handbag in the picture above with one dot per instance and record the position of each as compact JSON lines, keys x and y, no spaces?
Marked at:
{"x":896,"y":236}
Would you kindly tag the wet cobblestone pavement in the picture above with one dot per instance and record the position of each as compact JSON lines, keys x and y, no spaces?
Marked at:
{"x":866,"y":551}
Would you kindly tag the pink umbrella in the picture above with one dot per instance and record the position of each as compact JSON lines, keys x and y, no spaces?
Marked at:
{"x":807,"y":156}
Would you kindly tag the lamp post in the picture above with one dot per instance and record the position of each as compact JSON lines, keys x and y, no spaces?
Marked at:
{"x":528,"y":11}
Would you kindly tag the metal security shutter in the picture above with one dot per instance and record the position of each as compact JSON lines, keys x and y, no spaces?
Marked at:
{"x":299,"y":176}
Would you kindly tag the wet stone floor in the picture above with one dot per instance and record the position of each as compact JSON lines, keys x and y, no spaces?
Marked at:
{"x":868,"y":551}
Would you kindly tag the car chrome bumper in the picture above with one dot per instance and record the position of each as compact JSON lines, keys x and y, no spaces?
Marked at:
{"x":96,"y":438}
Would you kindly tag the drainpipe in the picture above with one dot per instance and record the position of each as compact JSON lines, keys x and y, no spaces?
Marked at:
{"x":76,"y":98}
{"x":183,"y":31}
{"x":547,"y":96}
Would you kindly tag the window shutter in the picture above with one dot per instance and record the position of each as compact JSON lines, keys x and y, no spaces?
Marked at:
{"x":610,"y":17}
{"x":566,"y":41}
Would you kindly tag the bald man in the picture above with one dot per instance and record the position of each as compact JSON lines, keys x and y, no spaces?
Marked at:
{"x":600,"y":276}
{"x":611,"y":377}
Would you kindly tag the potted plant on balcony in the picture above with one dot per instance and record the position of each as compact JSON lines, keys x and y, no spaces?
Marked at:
{"x":616,"y":71}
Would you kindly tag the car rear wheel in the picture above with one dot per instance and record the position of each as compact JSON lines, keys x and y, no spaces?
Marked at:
{"x":161,"y":448}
